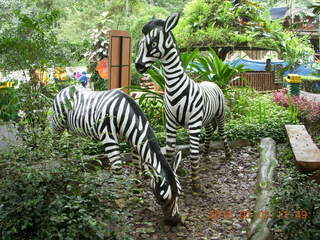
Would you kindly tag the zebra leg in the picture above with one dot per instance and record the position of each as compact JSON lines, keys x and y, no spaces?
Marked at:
{"x":113,"y":153}
{"x":210,"y":128}
{"x":194,"y":132}
{"x":142,"y":169}
{"x":170,"y":141}
{"x":223,"y":137}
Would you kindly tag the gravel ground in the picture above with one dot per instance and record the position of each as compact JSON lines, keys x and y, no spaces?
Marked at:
{"x":219,"y":213}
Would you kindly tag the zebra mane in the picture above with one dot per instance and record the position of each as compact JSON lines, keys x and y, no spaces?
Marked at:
{"x":152,"y":24}
{"x":166,"y":170}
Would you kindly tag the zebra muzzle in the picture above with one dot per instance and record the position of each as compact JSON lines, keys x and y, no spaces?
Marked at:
{"x":141,"y":68}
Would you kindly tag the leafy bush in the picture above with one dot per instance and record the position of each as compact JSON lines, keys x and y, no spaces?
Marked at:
{"x":35,"y":99}
{"x":212,"y":68}
{"x":48,"y":193}
{"x":311,"y":84}
{"x":8,"y":104}
{"x":220,"y":23}
{"x":296,"y":201}
{"x":236,"y":130}
{"x":253,"y":116}
{"x":153,"y":109}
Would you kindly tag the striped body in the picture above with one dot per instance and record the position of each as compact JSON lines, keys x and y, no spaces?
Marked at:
{"x":108,"y":115}
{"x":187,"y":104}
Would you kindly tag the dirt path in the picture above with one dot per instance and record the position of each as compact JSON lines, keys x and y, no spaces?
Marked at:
{"x":221,"y":213}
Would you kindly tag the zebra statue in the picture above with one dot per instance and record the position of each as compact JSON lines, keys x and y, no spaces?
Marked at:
{"x":187,"y":104}
{"x":107,"y":115}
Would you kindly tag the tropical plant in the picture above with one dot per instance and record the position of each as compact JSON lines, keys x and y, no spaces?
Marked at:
{"x":8,"y":104}
{"x":211,"y":68}
{"x":208,"y":23}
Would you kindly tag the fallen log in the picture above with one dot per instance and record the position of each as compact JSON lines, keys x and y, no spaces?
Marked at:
{"x":262,"y":214}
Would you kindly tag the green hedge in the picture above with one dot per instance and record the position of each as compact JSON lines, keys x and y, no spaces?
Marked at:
{"x":311,"y":84}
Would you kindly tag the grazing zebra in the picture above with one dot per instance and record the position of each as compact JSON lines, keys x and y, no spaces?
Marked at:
{"x":107,"y":115}
{"x":187,"y":104}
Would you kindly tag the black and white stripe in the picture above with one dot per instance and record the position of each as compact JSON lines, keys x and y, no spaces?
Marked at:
{"x":108,"y":115}
{"x":187,"y":103}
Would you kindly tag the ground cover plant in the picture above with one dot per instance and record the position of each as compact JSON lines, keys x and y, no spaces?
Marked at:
{"x":73,"y":197}
{"x":71,"y":200}
{"x":253,"y":115}
{"x":296,"y":201}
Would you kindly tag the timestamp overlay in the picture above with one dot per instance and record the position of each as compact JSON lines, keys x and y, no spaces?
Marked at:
{"x":262,"y":214}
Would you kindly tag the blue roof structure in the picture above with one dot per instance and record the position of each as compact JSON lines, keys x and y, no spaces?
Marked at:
{"x":303,"y":69}
{"x":278,"y":13}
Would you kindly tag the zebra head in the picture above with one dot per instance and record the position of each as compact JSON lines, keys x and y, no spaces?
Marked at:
{"x":166,"y":188}
{"x":156,"y":42}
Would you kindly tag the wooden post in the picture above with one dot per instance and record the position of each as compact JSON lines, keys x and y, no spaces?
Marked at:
{"x":119,"y":59}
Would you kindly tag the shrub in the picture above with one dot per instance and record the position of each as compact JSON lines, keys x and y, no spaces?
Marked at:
{"x":311,"y":84}
{"x":8,"y":104}
{"x":295,"y":201}
{"x":236,"y":130}
{"x":253,"y":116}
{"x":48,"y":193}
{"x":308,"y":110}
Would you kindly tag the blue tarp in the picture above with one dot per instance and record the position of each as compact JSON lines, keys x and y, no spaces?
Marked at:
{"x":303,"y":70}
{"x":277,"y":13}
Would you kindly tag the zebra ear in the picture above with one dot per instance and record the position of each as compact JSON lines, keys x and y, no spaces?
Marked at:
{"x":176,"y":161}
{"x":171,"y":22}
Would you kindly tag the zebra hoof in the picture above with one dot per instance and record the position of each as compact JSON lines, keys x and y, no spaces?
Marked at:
{"x":228,"y":157}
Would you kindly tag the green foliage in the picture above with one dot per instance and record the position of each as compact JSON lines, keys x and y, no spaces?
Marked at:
{"x":48,"y":193}
{"x":220,"y":23}
{"x":212,"y":68}
{"x":8,"y":104}
{"x":253,"y":116}
{"x":295,"y":192}
{"x":153,"y":109}
{"x":35,"y":99}
{"x":29,"y":30}
{"x":311,"y":84}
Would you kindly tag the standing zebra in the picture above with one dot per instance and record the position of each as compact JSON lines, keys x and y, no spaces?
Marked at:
{"x":187,"y":104}
{"x":104,"y":116}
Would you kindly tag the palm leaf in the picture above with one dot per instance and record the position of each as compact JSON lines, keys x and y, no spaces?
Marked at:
{"x":187,"y":57}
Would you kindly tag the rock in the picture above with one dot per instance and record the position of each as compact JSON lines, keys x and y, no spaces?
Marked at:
{"x":228,"y":222}
{"x":236,"y":226}
{"x":121,"y":203}
{"x":215,"y":236}
{"x":146,"y":236}
{"x":145,"y":230}
{"x":166,"y":228}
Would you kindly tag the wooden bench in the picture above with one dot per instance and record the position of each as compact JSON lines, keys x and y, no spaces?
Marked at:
{"x":305,"y":150}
